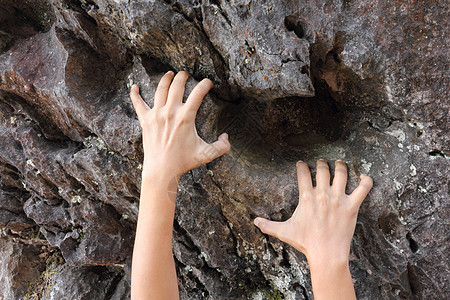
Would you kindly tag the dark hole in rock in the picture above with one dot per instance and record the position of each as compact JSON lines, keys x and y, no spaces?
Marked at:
{"x":84,"y":10}
{"x":287,"y":129}
{"x":90,"y":77}
{"x":292,"y":23}
{"x":414,"y":279}
{"x":346,"y":3}
{"x":400,"y":292}
{"x":304,"y":70}
{"x":284,"y":129}
{"x":388,"y":223}
{"x":22,"y":19}
{"x":154,"y":65}
{"x":412,"y":243}
{"x":285,"y":261}
{"x":436,"y":153}
{"x":419,"y":133}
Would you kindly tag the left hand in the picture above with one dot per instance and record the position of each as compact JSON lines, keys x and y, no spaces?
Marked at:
{"x":324,"y":221}
{"x":170,"y":140}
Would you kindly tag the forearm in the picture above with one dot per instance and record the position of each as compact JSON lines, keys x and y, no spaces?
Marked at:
{"x":332,"y":280}
{"x":153,"y":270}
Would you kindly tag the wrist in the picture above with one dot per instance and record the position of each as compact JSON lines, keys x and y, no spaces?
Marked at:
{"x":328,"y":262}
{"x":157,"y":175}
{"x":160,"y":168}
{"x":160,"y":180}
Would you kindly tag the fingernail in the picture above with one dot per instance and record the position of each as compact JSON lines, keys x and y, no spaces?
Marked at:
{"x":134,"y":86}
{"x":225,"y":135}
{"x":340,"y":160}
{"x":170,"y":73}
{"x":256,"y":222}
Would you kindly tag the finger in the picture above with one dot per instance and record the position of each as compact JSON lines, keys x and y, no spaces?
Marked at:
{"x":364,"y":187}
{"x":322,"y":175}
{"x":163,"y":89}
{"x":198,"y":93}
{"x":216,"y":149}
{"x":138,"y":103}
{"x":176,"y":90}
{"x":303,"y":177}
{"x":340,"y":176}
{"x":270,"y":227}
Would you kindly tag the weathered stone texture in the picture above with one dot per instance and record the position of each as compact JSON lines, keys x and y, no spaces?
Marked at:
{"x":362,"y":81}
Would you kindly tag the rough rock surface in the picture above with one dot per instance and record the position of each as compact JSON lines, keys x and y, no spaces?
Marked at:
{"x":364,"y":81}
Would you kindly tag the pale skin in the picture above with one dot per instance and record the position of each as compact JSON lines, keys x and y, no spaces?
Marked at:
{"x":321,"y":227}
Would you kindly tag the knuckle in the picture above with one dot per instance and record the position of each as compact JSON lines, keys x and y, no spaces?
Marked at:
{"x":341,"y":163}
{"x":263,"y":227}
{"x":334,"y":202}
{"x":336,"y":193}
{"x":323,"y":198}
{"x":322,"y":162}
{"x":147,"y":119}
{"x":158,"y":116}
{"x":161,"y":88}
{"x":340,"y":171}
{"x":306,"y":195}
{"x":188,"y":115}
{"x":322,"y":167}
{"x":201,"y":90}
{"x":134,"y":96}
{"x":302,"y":170}
{"x":368,"y":181}
{"x":208,"y":83}
{"x":182,"y":75}
{"x":170,"y":115}
{"x":145,"y":123}
{"x":227,"y":146}
{"x":300,"y":164}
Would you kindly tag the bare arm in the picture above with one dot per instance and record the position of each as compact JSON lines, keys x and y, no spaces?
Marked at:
{"x":322,"y":227}
{"x":171,"y":148}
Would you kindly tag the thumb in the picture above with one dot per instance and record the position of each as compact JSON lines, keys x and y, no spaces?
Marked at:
{"x":138,"y":103}
{"x":218,"y":148}
{"x":269,"y":227}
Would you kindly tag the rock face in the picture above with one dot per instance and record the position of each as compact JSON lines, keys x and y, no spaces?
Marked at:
{"x":363,"y":81}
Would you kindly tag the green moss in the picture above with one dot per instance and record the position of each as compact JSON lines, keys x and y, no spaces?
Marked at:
{"x":273,"y":294}
{"x":80,"y":235}
{"x":35,"y":233}
{"x":40,"y":287}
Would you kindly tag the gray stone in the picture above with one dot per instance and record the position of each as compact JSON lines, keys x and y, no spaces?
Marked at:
{"x":20,"y":266}
{"x":87,"y":283}
{"x":362,"y":81}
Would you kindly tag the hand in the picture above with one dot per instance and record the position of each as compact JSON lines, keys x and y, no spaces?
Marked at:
{"x":324,"y":221}
{"x":171,"y":143}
